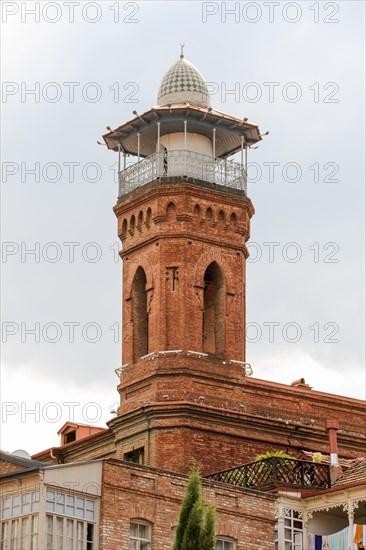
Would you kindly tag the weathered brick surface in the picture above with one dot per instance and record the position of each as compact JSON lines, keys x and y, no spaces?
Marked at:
{"x":180,"y":406}
{"x":131,"y":492}
{"x":7,"y":467}
{"x":182,"y":229}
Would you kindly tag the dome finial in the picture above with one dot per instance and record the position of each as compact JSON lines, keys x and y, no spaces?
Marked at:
{"x":182,"y":44}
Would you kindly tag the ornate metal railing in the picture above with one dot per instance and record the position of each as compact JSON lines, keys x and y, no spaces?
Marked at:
{"x":276,"y":472}
{"x":183,"y":163}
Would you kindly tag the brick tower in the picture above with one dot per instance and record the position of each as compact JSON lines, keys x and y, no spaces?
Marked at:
{"x":183,"y":219}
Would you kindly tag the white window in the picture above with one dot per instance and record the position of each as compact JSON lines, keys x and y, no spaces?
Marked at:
{"x":21,"y":504}
{"x":70,"y":505}
{"x":140,"y":535}
{"x":293,"y":526}
{"x":20,"y":533}
{"x":63,"y":533}
{"x":225,"y":543}
{"x":69,"y":522}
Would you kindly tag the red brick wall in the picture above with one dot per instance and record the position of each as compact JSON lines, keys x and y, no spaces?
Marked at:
{"x":188,"y":241}
{"x":182,"y":407}
{"x":6,"y":467}
{"x":176,"y":431}
{"x":131,"y":491}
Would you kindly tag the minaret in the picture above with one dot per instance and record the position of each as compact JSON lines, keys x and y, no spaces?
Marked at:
{"x":183,"y":219}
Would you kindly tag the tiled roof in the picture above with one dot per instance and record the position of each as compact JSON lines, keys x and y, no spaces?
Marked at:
{"x":356,"y":473}
{"x":344,"y":462}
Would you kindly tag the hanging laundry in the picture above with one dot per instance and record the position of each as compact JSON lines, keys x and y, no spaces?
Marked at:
{"x":359,"y":537}
{"x":318,"y":542}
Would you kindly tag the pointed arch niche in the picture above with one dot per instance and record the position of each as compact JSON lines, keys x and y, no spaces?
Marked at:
{"x":213,"y":314}
{"x":140,"y":318}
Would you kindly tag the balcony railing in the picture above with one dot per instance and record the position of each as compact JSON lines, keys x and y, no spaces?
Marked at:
{"x":183,"y":163}
{"x":276,"y":472}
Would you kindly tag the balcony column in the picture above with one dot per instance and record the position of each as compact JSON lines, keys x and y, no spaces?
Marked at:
{"x":242,"y":150}
{"x":158,"y":148}
{"x":305,"y":530}
{"x":185,"y":147}
{"x":138,"y":156}
{"x":213,"y":154}
{"x":351,"y":521}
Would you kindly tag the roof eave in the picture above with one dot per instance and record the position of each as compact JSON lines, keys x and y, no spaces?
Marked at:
{"x":209,"y":119}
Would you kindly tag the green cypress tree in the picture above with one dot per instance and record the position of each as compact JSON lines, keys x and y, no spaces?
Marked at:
{"x":208,"y":537}
{"x":193,"y":495}
{"x":193,"y":533}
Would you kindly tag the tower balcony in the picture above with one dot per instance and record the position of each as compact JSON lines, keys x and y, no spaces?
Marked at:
{"x":183,"y":164}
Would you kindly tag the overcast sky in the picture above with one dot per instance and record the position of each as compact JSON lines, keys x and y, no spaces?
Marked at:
{"x":296,"y":69}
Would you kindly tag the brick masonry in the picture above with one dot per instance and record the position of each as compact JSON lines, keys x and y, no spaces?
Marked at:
{"x":181,"y":406}
{"x":136,"y":492}
{"x":6,"y":467}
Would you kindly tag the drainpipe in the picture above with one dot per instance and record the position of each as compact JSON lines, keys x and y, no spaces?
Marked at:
{"x":335,"y":469}
{"x":55,"y":457}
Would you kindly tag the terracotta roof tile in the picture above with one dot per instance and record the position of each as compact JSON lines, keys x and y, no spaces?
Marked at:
{"x":356,"y":473}
{"x":344,"y":462}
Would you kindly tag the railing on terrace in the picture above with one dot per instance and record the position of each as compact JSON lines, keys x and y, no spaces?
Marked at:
{"x":276,"y":472}
{"x":183,"y":163}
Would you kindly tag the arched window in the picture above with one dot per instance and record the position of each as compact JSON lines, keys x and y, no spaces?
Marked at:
{"x":124,"y":227}
{"x":139,"y":315}
{"x":213,"y":323}
{"x":225,"y":543}
{"x":209,"y":214}
{"x":140,"y":534}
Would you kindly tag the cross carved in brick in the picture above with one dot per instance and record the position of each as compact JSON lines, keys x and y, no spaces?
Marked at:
{"x":172,"y":274}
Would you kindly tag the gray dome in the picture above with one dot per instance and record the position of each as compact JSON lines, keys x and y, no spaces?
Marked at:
{"x":183,"y":83}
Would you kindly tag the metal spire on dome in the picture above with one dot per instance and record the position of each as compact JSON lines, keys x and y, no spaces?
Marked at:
{"x":182,"y":44}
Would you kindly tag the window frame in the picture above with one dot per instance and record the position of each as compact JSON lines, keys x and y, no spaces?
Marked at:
{"x":291,"y":528}
{"x":145,"y":523}
{"x":135,"y":453}
{"x":223,"y":538}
